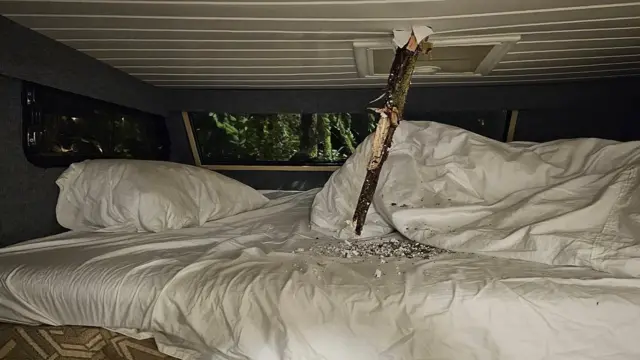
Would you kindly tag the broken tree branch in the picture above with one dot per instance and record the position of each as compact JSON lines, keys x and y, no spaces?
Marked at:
{"x":390,"y":114}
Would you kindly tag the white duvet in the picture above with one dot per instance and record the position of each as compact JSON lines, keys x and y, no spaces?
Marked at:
{"x":567,"y":202}
{"x":234,"y":290}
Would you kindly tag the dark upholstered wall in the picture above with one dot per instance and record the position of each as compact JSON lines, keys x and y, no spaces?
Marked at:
{"x":28,"y":55}
{"x":27,"y":194}
{"x":609,"y":122}
{"x":577,"y":94}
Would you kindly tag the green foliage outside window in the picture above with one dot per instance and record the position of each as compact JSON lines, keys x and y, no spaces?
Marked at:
{"x":286,"y":138}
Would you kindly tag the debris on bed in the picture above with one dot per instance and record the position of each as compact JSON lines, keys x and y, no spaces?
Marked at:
{"x":383,"y":249}
{"x":385,"y":259}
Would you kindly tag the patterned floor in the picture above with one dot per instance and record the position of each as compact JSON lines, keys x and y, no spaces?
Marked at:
{"x":72,"y":343}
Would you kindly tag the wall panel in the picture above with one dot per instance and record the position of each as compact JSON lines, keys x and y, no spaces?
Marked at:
{"x":28,"y":194}
{"x":616,"y":123}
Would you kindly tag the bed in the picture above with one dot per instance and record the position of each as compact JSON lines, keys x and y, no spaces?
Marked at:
{"x":269,"y":283}
{"x":248,"y":287}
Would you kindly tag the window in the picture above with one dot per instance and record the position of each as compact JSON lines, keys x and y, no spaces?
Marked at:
{"x":319,"y":139}
{"x":279,"y":139}
{"x":60,"y":128}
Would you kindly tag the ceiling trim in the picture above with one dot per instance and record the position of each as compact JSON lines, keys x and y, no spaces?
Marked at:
{"x":418,"y":75}
{"x":223,"y":50}
{"x":246,"y":74}
{"x":382,"y":84}
{"x":243,"y":2}
{"x":443,"y":26}
{"x":569,"y":66}
{"x":573,"y":50}
{"x":338,"y":19}
{"x":516,"y":77}
{"x":287,"y":41}
{"x":559,"y":31}
{"x":539,"y":24}
{"x":581,"y":40}
{"x":228,"y":58}
{"x":239,"y":31}
{"x":109,"y":36}
{"x":570,"y":58}
{"x":372,"y":32}
{"x":233,"y":67}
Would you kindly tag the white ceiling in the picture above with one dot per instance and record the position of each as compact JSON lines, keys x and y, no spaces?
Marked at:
{"x":302,"y":44}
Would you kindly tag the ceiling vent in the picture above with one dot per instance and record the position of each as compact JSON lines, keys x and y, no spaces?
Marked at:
{"x":450,"y":57}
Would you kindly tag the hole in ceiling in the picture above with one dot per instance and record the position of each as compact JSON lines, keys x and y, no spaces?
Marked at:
{"x":472,"y":56}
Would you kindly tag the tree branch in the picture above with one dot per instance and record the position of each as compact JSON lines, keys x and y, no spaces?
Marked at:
{"x":390,"y":114}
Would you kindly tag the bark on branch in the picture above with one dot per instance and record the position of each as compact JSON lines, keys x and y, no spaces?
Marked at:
{"x":390,"y":114}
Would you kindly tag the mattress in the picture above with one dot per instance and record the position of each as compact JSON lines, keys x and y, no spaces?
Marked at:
{"x":252,"y":287}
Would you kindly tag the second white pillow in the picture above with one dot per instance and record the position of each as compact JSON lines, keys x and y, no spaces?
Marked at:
{"x":153,"y":196}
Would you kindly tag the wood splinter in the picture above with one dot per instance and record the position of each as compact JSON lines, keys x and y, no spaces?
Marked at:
{"x":390,"y":115}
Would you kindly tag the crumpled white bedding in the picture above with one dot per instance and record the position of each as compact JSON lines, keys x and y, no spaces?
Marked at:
{"x":126,"y":195}
{"x":566,"y":202}
{"x":234,"y":290}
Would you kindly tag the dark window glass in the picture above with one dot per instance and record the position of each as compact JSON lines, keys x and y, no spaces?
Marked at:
{"x":308,"y":139}
{"x":615,"y":123}
{"x":492,"y":124}
{"x":61,"y":128}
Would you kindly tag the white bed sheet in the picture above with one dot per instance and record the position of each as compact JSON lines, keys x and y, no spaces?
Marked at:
{"x":234,"y":290}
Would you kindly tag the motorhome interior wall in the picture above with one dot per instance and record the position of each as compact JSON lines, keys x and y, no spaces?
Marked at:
{"x":27,"y":194}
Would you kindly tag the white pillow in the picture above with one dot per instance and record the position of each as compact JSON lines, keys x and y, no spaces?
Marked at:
{"x":334,"y":205}
{"x":136,"y":195}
